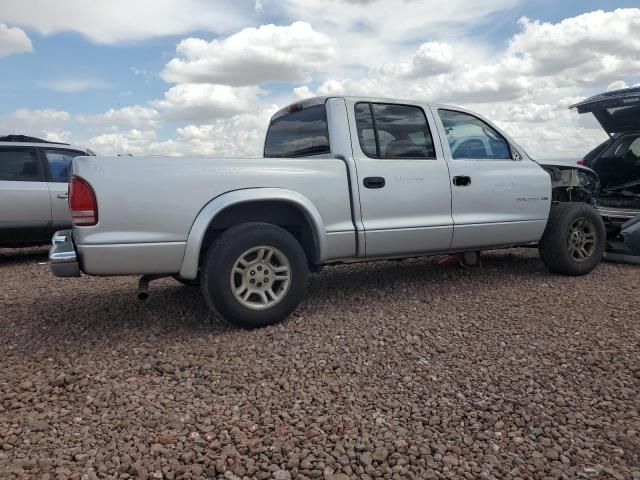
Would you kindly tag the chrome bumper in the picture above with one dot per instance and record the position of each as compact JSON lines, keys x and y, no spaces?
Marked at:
{"x":62,"y":255}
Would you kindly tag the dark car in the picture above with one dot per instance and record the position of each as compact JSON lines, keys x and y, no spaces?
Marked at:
{"x":616,"y":160}
{"x":617,"y":163}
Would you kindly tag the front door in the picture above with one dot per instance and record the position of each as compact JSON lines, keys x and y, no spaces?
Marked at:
{"x":497,"y":199}
{"x":403,"y":180}
{"x":25,"y":207}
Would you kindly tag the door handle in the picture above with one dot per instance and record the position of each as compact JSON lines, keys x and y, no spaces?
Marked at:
{"x":462,"y":181}
{"x":63,"y":196}
{"x":374,"y":182}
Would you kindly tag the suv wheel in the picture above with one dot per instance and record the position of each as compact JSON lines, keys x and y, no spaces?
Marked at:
{"x":255,"y":274}
{"x":574,"y":241}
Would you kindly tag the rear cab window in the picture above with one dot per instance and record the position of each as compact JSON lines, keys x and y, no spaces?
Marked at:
{"x":300,"y":133}
{"x":393,"y":131}
{"x":20,"y":164}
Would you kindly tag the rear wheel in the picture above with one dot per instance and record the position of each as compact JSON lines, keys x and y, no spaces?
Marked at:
{"x":255,"y":274}
{"x":574,"y":241}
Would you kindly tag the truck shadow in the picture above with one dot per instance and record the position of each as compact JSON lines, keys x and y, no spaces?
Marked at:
{"x":90,"y":313}
{"x":16,"y":256}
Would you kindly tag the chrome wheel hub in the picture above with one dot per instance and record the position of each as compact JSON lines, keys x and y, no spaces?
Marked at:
{"x":260,"y":277}
{"x":582,"y":239}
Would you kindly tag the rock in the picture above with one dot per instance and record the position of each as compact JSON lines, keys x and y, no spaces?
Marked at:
{"x":380,"y":455}
{"x":281,"y":475}
{"x":71,"y":379}
{"x":167,"y":439}
{"x":450,"y":460}
{"x":365,"y":459}
{"x":551,"y":454}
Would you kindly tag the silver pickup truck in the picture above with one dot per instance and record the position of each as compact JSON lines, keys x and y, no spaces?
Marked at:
{"x":342,"y":180}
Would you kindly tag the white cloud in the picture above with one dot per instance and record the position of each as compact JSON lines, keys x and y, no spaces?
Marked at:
{"x":46,"y":123}
{"x":75,"y":85}
{"x":431,"y":58}
{"x":135,"y":142}
{"x":563,"y":141}
{"x":241,"y":134}
{"x":204,"y":102}
{"x":116,"y":21}
{"x":135,"y":116}
{"x":13,"y":40}
{"x":594,"y":47}
{"x":379,"y":31}
{"x":251,"y":56}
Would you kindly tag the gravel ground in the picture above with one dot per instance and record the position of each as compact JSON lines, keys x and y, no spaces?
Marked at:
{"x":393,"y":370}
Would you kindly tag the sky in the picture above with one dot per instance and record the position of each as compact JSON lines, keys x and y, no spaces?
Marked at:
{"x":203,"y":77}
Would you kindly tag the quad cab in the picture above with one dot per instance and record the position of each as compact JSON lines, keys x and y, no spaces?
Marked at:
{"x":342,"y":179}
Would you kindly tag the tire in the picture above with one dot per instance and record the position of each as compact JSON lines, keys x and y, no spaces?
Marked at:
{"x":223,"y":272}
{"x":566,"y":252}
{"x":195,"y":282}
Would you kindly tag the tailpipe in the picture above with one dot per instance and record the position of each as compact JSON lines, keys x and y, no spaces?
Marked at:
{"x":143,"y":286}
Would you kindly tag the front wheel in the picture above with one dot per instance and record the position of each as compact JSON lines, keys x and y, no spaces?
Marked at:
{"x":574,"y":241}
{"x":255,"y":274}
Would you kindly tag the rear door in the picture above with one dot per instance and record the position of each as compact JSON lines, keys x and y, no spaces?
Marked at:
{"x":25,"y":205}
{"x":59,"y":166}
{"x":403,"y":180}
{"x":498,"y":198}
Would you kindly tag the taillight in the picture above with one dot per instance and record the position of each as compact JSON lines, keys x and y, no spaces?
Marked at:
{"x":580,"y":162}
{"x":82,"y":202}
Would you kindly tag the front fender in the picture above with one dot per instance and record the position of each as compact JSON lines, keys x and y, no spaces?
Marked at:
{"x":190,"y":262}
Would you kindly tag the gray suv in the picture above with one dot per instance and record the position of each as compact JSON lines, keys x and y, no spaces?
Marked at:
{"x":34,"y":176}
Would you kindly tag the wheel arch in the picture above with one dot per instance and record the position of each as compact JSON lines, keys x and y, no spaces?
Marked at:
{"x":239,"y":204}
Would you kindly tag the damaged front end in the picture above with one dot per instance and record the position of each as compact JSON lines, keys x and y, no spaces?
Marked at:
{"x":572,"y":184}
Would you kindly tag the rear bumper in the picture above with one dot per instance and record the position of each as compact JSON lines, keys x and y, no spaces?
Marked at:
{"x":63,"y":258}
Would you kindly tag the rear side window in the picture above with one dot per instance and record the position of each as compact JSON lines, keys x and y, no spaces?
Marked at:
{"x":393,"y":131}
{"x":60,"y":163}
{"x":471,"y":138}
{"x":298,"y":134}
{"x":19,"y":164}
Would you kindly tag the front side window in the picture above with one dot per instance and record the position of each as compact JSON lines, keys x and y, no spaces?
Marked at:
{"x":60,"y":163}
{"x":393,"y":131}
{"x":301,"y":133}
{"x":471,"y":138}
{"x":19,"y":164}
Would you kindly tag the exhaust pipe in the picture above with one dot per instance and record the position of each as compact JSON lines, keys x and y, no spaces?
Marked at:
{"x":143,"y":285}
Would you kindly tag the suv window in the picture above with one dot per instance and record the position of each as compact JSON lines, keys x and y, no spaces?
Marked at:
{"x":469,"y":137}
{"x":60,"y":163}
{"x":393,"y":131}
{"x":298,"y":134}
{"x":19,"y":164}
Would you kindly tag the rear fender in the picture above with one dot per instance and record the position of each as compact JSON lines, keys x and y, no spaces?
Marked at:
{"x":190,"y":262}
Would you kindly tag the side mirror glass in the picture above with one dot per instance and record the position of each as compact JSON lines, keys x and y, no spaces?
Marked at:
{"x":515,"y":155}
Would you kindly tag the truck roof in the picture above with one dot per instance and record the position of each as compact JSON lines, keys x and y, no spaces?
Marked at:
{"x":313,"y":101}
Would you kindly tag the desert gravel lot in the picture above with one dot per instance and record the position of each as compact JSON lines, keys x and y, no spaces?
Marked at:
{"x":392,"y":370}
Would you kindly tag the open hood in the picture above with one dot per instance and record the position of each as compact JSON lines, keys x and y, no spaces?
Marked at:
{"x":617,"y":111}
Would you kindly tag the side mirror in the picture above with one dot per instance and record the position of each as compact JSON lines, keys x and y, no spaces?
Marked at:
{"x":515,"y":155}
